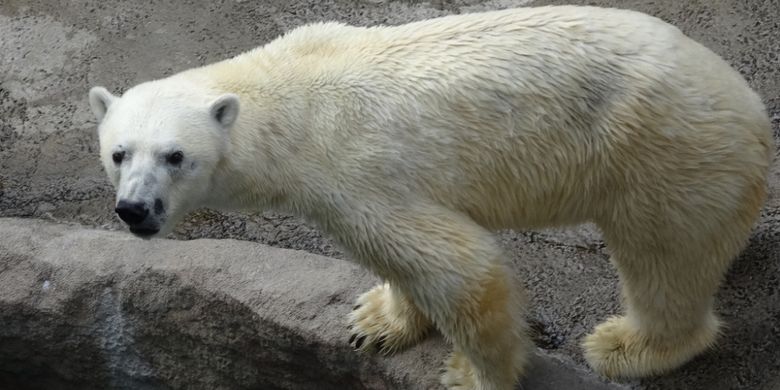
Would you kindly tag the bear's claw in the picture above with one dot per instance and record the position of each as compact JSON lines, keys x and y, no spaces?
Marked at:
{"x":385,"y":322}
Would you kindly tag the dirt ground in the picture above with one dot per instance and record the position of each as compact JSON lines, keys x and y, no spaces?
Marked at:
{"x":52,"y":51}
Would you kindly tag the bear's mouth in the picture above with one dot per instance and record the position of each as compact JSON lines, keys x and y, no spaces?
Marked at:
{"x":144,"y":231}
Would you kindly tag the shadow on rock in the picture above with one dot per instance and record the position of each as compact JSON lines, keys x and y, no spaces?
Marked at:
{"x":153,"y":331}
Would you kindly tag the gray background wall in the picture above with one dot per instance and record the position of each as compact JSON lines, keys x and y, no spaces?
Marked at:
{"x":52,"y":51}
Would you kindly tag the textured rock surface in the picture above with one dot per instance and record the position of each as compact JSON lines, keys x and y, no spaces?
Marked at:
{"x":52,"y":51}
{"x":84,"y":309}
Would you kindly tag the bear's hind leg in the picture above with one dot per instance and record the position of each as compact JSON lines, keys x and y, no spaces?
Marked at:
{"x":669,"y":277}
{"x":385,"y":319}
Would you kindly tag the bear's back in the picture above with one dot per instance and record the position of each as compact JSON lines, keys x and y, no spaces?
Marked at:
{"x":539,"y":104}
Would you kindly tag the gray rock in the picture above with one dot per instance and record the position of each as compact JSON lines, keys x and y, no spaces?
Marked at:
{"x":89,"y":309}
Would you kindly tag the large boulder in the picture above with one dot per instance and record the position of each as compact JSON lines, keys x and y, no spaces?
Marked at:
{"x":90,"y":309}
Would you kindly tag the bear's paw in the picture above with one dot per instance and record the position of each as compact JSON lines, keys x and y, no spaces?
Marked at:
{"x":383,"y":320}
{"x":616,"y":349}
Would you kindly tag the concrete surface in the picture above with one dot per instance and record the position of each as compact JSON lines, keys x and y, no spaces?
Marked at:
{"x":87,"y":309}
{"x":52,"y":51}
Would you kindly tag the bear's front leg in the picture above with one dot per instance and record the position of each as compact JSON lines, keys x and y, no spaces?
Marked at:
{"x":454,"y":272}
{"x":488,"y":331}
{"x":385,"y":319}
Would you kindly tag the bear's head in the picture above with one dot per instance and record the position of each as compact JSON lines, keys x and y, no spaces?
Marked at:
{"x":160,"y":144}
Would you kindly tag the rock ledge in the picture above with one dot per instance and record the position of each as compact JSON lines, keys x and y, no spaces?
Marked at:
{"x":91,"y":309}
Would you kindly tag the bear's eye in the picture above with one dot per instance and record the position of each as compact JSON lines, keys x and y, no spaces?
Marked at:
{"x":118,"y":157}
{"x":175,"y":158}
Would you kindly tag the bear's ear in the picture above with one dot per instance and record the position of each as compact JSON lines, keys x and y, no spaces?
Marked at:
{"x":224,"y":110}
{"x":100,"y":99}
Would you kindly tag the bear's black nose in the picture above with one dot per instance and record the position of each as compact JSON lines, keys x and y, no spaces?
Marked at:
{"x":132,"y":213}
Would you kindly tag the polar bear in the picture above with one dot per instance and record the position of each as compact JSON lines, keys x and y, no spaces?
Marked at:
{"x":410,"y":144}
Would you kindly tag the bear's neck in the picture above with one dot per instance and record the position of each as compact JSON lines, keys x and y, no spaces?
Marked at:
{"x":271,"y":132}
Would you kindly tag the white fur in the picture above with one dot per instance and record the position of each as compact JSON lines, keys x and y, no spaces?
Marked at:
{"x":409,"y":144}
